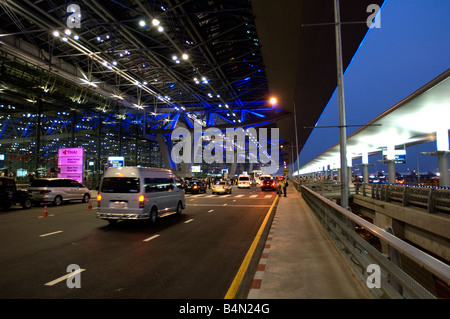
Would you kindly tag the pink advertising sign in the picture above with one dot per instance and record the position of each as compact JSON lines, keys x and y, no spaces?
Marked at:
{"x":62,"y":152}
{"x":71,"y":169}
{"x":75,"y":176}
{"x":70,"y":161}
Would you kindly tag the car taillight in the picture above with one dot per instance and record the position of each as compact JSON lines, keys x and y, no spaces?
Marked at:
{"x":99,"y":198}
{"x":195,"y":186}
{"x":141,"y":201}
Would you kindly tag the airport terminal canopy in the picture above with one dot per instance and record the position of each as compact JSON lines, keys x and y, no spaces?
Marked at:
{"x":419,"y":118}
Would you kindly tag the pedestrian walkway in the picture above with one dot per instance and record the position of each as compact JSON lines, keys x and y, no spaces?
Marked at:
{"x":300,"y":262}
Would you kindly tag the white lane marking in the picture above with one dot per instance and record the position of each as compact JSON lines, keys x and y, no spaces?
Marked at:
{"x":253,"y":196}
{"x":150,"y":238}
{"x":188,"y":221}
{"x":210,"y":211}
{"x":268,"y":196}
{"x":57,"y":280}
{"x":232,"y":205}
{"x":239,"y":196}
{"x":49,"y":234}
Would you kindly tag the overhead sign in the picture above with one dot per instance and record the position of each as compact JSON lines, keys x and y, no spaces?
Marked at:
{"x":400,"y":157}
{"x":116,"y":161}
{"x":196,"y":168}
{"x":70,"y":163}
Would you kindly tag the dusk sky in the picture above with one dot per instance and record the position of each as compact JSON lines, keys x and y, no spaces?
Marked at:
{"x":411,"y":48}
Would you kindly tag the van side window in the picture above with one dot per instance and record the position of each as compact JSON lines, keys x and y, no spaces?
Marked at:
{"x":61,"y":183}
{"x":158,"y":184}
{"x":76,"y":184}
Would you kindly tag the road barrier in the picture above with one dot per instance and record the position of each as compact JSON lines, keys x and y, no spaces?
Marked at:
{"x":341,"y":225}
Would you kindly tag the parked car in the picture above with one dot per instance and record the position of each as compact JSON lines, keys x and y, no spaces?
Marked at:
{"x":195,"y":187}
{"x":244,"y":181}
{"x":222,"y":187}
{"x":10,"y":195}
{"x":58,"y":190}
{"x":139,"y":193}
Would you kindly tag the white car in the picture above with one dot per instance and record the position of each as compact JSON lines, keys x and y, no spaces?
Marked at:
{"x":244,"y":181}
{"x":58,"y":190}
{"x":221,"y":187}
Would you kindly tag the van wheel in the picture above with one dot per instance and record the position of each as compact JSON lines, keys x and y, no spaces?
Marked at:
{"x":27,"y":203}
{"x":58,"y":200}
{"x":153,"y":216}
{"x":86,"y":198}
{"x":179,"y":208}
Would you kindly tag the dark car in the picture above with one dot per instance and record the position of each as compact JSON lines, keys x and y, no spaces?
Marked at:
{"x":10,"y":195}
{"x":195,"y":187}
{"x":268,"y":184}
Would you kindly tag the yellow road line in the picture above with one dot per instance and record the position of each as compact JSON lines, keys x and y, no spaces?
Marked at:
{"x":232,"y":291}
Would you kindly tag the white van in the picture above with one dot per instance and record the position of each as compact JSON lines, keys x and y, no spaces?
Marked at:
{"x":139,"y":193}
{"x":244,"y":181}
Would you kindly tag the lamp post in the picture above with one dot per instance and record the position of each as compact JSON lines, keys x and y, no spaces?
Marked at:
{"x":342,"y":121}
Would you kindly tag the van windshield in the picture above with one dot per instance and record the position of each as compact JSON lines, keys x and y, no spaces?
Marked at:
{"x":120,"y":185}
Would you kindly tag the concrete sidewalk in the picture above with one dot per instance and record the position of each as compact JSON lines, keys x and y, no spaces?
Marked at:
{"x":300,"y":262}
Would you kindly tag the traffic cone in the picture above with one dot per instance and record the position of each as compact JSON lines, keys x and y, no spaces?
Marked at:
{"x":45,"y":211}
{"x":90,"y":204}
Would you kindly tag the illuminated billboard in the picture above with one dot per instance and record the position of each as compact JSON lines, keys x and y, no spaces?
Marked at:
{"x":116,"y":161}
{"x":70,"y":163}
{"x":400,"y":157}
{"x":196,"y":169}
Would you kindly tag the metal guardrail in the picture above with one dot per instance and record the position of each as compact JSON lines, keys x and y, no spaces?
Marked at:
{"x":431,"y":198}
{"x":394,"y":282}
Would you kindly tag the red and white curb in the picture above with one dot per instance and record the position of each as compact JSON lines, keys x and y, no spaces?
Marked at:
{"x":259,"y":274}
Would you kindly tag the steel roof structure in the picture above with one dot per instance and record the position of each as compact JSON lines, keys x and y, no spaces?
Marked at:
{"x":134,"y":69}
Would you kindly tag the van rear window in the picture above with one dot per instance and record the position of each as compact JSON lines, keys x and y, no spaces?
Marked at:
{"x":244,"y":178}
{"x":120,"y":185}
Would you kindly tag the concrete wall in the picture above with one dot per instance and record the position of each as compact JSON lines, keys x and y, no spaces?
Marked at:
{"x":429,"y":231}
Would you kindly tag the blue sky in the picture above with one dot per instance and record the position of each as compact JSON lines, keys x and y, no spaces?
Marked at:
{"x":411,"y":48}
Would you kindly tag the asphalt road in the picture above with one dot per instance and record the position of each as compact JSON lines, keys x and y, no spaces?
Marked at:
{"x":194,"y":255}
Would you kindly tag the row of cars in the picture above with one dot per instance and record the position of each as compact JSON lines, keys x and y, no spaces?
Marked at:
{"x":198,"y":187}
{"x":42,"y":190}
